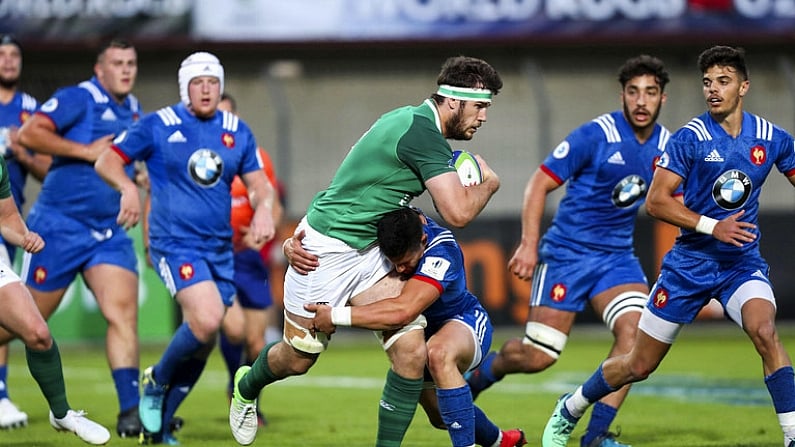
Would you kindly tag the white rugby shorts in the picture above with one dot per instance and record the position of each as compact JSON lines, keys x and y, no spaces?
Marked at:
{"x":343,"y":273}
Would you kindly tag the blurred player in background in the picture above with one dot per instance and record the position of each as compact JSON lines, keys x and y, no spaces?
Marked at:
{"x":15,"y":108}
{"x":192,"y":152}
{"x":245,"y":323}
{"x":21,"y":318}
{"x":587,"y":254}
{"x":76,"y":212}
{"x":404,"y":153}
{"x":720,"y":159}
{"x":459,"y":330}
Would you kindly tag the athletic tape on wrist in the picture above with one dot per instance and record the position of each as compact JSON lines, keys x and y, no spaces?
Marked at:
{"x":341,"y":316}
{"x":706,"y":225}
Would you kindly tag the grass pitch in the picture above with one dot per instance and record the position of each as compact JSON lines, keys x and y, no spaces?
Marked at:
{"x":708,"y":392}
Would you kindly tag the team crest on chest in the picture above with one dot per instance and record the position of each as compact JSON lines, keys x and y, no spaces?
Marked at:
{"x":23,"y":116}
{"x":731,"y":189}
{"x":228,"y":140}
{"x":205,"y":167}
{"x":758,"y":155}
{"x":628,"y":191}
{"x":558,"y":292}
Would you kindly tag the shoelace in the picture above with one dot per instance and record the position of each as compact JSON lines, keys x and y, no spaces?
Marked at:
{"x":248,"y":412}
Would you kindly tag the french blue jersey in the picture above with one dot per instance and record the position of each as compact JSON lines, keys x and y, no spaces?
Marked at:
{"x":722,"y":175}
{"x":191,"y":164}
{"x":84,"y":113}
{"x":14,"y":114}
{"x":608,"y":173}
{"x":442,"y":266}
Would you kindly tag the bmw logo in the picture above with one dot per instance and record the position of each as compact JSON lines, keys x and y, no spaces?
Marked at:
{"x":205,"y":167}
{"x":628,"y":191}
{"x":732,"y":189}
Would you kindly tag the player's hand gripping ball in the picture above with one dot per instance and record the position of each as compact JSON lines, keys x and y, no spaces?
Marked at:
{"x":467,"y":167}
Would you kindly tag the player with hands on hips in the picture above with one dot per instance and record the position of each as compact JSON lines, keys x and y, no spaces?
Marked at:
{"x":401,"y":155}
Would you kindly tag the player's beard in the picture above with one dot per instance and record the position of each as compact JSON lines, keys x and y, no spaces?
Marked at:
{"x":456,"y":128}
{"x":8,"y":84}
{"x":651,"y":123}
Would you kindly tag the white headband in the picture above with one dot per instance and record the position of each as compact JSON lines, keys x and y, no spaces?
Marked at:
{"x":195,"y":65}
{"x":465,"y":93}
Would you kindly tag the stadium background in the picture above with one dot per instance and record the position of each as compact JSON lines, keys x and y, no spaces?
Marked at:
{"x":310,"y":76}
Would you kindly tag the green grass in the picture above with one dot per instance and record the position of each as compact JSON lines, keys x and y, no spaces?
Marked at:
{"x":708,"y":392}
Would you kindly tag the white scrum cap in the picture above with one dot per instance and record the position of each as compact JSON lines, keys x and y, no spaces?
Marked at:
{"x":198,"y":64}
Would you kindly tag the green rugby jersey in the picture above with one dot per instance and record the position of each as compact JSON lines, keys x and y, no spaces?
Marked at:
{"x":384,"y":170}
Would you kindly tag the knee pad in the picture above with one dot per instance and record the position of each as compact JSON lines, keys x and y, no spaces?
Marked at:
{"x":544,"y":338}
{"x":388,"y":338}
{"x":302,"y":339}
{"x":632,"y":301}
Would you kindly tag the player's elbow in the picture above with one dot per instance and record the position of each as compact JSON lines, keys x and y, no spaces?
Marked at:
{"x":653,"y":209}
{"x":457,"y":218}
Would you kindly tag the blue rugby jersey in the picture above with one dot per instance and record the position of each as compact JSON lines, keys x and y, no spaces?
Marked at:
{"x":84,"y":113}
{"x":608,"y":173}
{"x":14,"y":114}
{"x":442,"y":265}
{"x":723,"y":175}
{"x":191,"y":164}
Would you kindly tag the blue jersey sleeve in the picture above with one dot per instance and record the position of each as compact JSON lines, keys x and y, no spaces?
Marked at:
{"x":251,"y":160}
{"x":136,"y":142}
{"x":66,"y":107}
{"x":572,"y":154}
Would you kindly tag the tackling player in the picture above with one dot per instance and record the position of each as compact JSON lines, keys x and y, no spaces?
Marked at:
{"x":404,"y":153}
{"x":458,"y":330}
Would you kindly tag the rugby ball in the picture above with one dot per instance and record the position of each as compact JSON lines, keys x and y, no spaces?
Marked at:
{"x":467,"y":167}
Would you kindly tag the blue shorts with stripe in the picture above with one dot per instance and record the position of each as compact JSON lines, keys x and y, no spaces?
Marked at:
{"x":179,"y":268}
{"x":687,"y":283}
{"x":70,"y":248}
{"x":479,"y":323}
{"x":567,"y":278}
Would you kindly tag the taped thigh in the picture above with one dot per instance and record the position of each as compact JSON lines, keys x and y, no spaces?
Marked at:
{"x":302,"y":339}
{"x":388,"y":338}
{"x":545,"y":338}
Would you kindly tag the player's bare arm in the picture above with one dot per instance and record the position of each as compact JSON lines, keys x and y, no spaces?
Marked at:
{"x":525,"y":258}
{"x":261,"y":197}
{"x":662,"y":204}
{"x":385,"y":314}
{"x":40,"y":135}
{"x":110,"y":167}
{"x":299,"y":259}
{"x":14,"y":230}
{"x":37,"y":164}
{"x":459,"y":205}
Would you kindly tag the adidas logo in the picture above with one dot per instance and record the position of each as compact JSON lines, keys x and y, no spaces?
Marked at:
{"x":616,"y":159}
{"x":713,"y":156}
{"x":455,"y":425}
{"x":177,"y":137}
{"x":108,"y":115}
{"x":386,"y":406}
